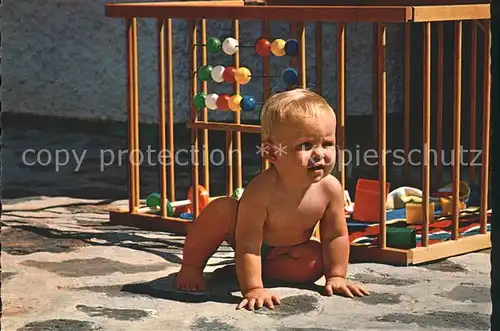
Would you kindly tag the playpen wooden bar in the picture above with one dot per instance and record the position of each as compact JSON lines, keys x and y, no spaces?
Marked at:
{"x":439,"y":101}
{"x":485,"y":159}
{"x":341,"y":99}
{"x":456,"y":127}
{"x":204,"y":112}
{"x":375,"y":85}
{"x":302,"y":56}
{"x":170,"y":113}
{"x":237,"y":90}
{"x":451,"y":12}
{"x":229,"y":163}
{"x":219,"y":126}
{"x":406,"y":98}
{"x":265,"y":81}
{"x":160,"y":36}
{"x":284,"y":13}
{"x":382,"y":132}
{"x":194,"y":115}
{"x":133,"y":112}
{"x":473,"y":100}
{"x":426,"y":133}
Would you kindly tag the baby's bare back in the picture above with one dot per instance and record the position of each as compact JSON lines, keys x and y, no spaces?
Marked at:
{"x":291,"y":219}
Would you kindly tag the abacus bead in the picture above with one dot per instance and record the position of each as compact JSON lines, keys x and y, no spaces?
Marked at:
{"x":223,"y":102}
{"x":234,"y":102}
{"x":292,"y":47}
{"x":290,"y":77}
{"x":153,"y":200}
{"x":230,"y":46}
{"x":263,"y":47}
{"x":199,"y":100}
{"x":211,"y":101}
{"x":242,"y":75}
{"x":217,"y":72}
{"x":228,"y":74}
{"x":278,"y":47}
{"x":213,"y":45}
{"x":205,"y":72}
{"x":248,"y":103}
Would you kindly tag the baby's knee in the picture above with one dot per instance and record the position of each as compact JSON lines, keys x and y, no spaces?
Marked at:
{"x":316,"y":257}
{"x":311,"y":257}
{"x":223,"y":209}
{"x":310,"y":250}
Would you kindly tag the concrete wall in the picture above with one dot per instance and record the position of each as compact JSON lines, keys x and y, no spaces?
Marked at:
{"x":65,"y":58}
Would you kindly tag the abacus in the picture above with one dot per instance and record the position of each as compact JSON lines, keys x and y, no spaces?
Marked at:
{"x":163,"y":212}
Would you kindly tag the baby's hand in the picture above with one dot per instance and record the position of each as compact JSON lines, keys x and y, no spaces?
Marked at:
{"x":258,"y":298}
{"x":339,"y":285}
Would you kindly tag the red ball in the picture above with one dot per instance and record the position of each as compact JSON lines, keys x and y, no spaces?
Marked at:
{"x":228,"y":74}
{"x":223,"y":102}
{"x":263,"y":47}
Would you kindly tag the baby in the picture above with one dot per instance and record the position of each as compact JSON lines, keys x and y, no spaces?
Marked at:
{"x":271,"y":227}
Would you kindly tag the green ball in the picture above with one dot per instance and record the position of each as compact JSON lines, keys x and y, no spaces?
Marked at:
{"x":153,"y":200}
{"x":199,"y":100}
{"x":205,"y":72}
{"x":214,"y":45}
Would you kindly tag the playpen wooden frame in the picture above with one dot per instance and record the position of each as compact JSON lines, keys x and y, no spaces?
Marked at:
{"x":419,"y":11}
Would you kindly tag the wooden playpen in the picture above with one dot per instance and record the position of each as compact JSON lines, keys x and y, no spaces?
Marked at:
{"x":407,"y":13}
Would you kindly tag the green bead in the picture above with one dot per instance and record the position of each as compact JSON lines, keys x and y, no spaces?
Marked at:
{"x":170,"y":210}
{"x":205,"y":72}
{"x":199,"y":100}
{"x":237,"y":193}
{"x":153,"y":200}
{"x":213,"y":45}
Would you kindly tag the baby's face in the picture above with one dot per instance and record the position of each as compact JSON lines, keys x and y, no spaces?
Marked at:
{"x":310,"y":152}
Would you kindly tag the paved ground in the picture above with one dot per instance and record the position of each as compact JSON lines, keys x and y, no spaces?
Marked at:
{"x":63,"y":268}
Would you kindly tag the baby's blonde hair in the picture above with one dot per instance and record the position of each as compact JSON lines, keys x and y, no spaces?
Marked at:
{"x":293,"y":104}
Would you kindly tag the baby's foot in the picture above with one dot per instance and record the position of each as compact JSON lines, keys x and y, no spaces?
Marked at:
{"x":190,"y":279}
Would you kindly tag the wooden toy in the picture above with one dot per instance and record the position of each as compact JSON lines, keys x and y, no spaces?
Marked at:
{"x":425,"y":19}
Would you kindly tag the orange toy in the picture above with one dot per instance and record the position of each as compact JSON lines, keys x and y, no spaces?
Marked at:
{"x":366,"y":201}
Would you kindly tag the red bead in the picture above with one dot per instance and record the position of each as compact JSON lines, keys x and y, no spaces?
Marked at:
{"x":263,"y":47}
{"x":223,"y":102}
{"x":228,"y":74}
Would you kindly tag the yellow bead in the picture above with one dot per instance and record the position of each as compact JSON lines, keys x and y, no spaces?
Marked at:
{"x":278,"y":47}
{"x":242,"y":75}
{"x":234,"y":102}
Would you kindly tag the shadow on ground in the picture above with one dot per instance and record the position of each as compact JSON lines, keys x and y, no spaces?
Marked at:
{"x":27,"y":239}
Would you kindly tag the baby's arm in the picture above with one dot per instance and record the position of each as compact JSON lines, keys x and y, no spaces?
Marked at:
{"x":335,"y":243}
{"x":334,"y":233}
{"x":249,"y":237}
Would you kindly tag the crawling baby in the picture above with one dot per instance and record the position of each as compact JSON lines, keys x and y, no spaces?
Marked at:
{"x":270,"y":228}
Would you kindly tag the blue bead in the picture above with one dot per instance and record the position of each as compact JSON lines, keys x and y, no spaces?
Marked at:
{"x":290,"y":77}
{"x":248,"y":103}
{"x":187,"y":216}
{"x":292,"y":47}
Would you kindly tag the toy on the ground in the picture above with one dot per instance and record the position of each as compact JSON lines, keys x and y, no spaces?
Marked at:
{"x":153,"y":202}
{"x":221,"y":79}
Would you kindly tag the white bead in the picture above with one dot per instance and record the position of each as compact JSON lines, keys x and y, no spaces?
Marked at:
{"x":217,"y":72}
{"x":230,"y":46}
{"x":211,"y":101}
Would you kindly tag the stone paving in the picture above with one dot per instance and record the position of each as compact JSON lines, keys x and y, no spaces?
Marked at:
{"x":65,"y":268}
